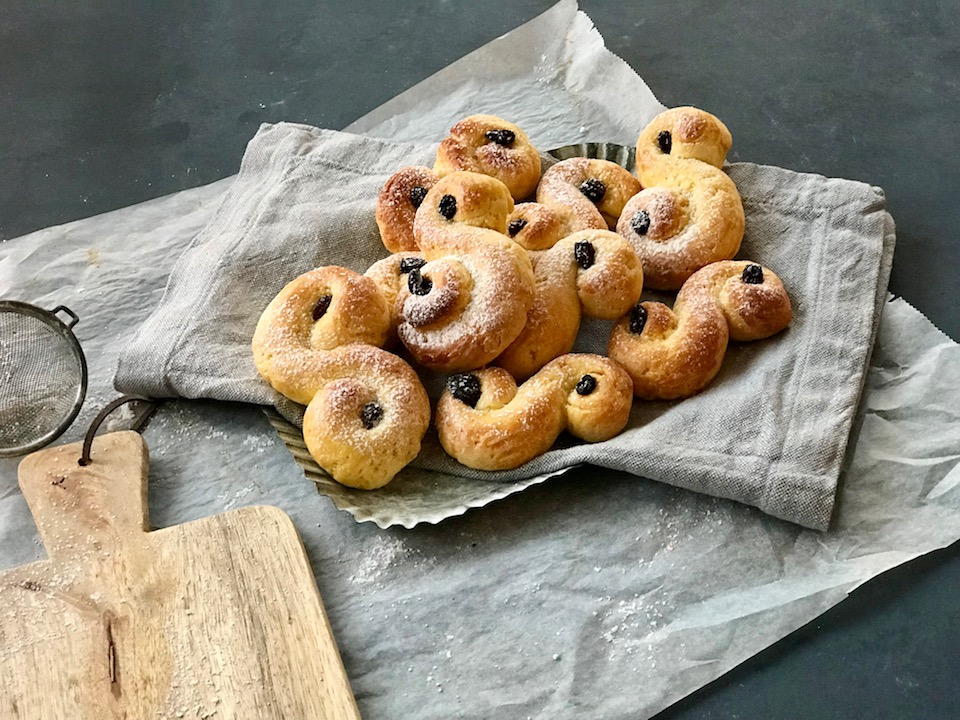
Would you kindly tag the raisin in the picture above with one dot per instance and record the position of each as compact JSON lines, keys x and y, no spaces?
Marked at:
{"x":323,"y":304}
{"x":752,"y":274}
{"x":665,"y":141}
{"x":448,"y":206}
{"x":418,"y":284}
{"x":584,"y":254}
{"x":516,"y":226}
{"x":417,"y":194}
{"x":371,"y":414}
{"x":587,"y":384}
{"x":640,"y":222}
{"x":411,"y":263}
{"x":594,"y":189}
{"x":465,"y":387}
{"x":501,"y":137}
{"x":638,"y":318}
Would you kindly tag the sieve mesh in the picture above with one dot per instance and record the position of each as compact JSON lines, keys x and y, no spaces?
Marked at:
{"x":42,"y":377}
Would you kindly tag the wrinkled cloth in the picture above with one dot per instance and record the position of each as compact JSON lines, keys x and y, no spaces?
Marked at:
{"x":770,"y":431}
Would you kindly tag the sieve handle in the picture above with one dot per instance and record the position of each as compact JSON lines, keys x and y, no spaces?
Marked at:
{"x":74,"y":318}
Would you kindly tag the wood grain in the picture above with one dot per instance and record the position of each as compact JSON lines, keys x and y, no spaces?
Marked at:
{"x":217,"y":618}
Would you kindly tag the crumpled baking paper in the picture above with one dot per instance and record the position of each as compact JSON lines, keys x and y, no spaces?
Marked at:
{"x":592,"y":595}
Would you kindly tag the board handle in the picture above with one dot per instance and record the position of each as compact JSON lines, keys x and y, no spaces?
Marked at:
{"x":94,"y":506}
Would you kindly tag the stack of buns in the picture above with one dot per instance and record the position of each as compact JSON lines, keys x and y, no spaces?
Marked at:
{"x":492,"y":267}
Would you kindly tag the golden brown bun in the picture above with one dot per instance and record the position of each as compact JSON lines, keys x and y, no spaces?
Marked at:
{"x":673,"y":354}
{"x":492,"y":146}
{"x":470,"y":300}
{"x":689,"y":213}
{"x":318,"y":311}
{"x":593,"y":271}
{"x":397,"y":206}
{"x":368,"y":417}
{"x":366,"y":409}
{"x":588,"y":193}
{"x":486,"y":422}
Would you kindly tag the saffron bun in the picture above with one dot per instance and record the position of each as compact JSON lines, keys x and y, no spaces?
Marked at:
{"x":390,"y":274}
{"x":317,"y":311}
{"x":536,"y":226}
{"x":491,"y":146}
{"x":368,"y":417}
{"x":590,"y":192}
{"x":470,"y":300}
{"x":591,"y":272}
{"x":673,"y":354}
{"x":689,"y":213}
{"x":316,"y":343}
{"x":485,"y":421}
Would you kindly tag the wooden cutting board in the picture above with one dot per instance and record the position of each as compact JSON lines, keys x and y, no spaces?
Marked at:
{"x":217,"y":618}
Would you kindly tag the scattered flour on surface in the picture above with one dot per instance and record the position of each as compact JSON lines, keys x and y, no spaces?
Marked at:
{"x":259,"y":442}
{"x":230,"y":499}
{"x":382,"y":554}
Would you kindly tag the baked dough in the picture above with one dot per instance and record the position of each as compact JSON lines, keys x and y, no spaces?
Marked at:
{"x":689,"y":213}
{"x":592,"y":272}
{"x":397,"y":206}
{"x":320,"y":310}
{"x":470,"y":300}
{"x":368,"y":417}
{"x":315,"y":343}
{"x":590,"y":192}
{"x":492,"y":146}
{"x":536,"y":226}
{"x":486,"y":422}
{"x":672,"y":354}
{"x":390,"y":274}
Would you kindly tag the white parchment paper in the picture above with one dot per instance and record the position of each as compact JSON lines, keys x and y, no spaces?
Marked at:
{"x":592,"y":595}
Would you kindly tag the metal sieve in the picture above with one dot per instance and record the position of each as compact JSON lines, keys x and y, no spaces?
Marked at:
{"x":43,"y":376}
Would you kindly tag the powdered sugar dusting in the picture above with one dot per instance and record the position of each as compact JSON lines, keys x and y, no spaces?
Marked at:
{"x":697,"y":218}
{"x":497,"y":271}
{"x":381,"y":556}
{"x":467,"y":148}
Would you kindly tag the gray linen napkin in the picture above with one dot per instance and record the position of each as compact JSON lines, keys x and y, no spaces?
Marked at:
{"x":771,"y":431}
